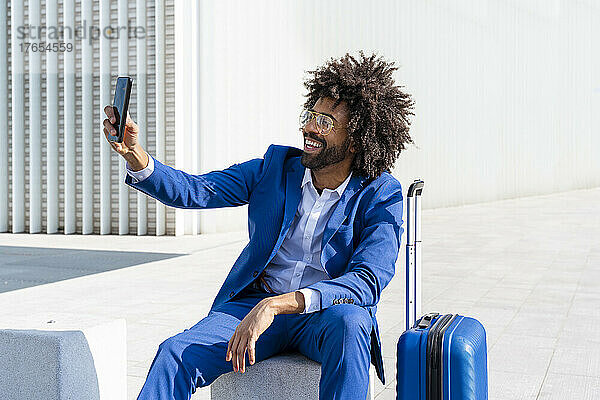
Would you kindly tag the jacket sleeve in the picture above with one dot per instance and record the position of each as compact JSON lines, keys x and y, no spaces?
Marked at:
{"x":372,"y":265}
{"x":226,"y":188}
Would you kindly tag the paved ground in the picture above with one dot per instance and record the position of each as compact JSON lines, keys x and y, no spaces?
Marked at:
{"x":529,"y":269}
{"x":26,"y":266}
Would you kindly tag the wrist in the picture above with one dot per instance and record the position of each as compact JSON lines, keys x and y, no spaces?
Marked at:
{"x":137,"y":158}
{"x":288,"y":303}
{"x":271,"y":305}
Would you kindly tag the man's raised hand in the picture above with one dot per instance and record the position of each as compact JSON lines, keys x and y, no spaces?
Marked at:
{"x":130,"y":136}
{"x":130,"y":149}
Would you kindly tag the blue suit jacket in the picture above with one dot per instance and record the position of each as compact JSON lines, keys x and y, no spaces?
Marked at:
{"x":361,"y":240}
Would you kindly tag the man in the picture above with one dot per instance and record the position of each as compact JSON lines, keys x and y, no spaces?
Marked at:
{"x":325,"y":225}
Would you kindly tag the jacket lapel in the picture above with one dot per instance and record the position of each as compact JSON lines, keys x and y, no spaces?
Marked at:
{"x":293,"y":194}
{"x":341,"y":210}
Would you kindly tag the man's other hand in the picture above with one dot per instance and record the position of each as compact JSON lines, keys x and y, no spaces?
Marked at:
{"x":246,"y":334}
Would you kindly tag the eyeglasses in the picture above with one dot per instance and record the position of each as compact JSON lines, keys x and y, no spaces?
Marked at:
{"x":324,"y":122}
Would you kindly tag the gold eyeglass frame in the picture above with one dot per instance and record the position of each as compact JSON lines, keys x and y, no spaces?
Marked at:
{"x":314,"y":115}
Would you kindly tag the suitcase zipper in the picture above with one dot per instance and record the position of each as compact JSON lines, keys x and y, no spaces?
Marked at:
{"x":440,"y":355}
{"x":434,"y":359}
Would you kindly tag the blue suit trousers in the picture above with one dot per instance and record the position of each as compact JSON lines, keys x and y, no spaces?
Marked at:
{"x":338,"y":337}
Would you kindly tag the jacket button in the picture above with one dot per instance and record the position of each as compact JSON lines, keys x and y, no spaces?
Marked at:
{"x":231,"y":294}
{"x":255,"y":274}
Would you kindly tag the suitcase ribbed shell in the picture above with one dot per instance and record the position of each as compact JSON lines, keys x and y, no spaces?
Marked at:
{"x":464,"y":362}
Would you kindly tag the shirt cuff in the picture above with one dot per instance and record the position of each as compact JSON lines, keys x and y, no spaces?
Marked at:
{"x":312,"y":300}
{"x":138,"y":176}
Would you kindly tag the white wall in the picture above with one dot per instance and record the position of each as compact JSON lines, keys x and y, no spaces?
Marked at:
{"x":504,"y":90}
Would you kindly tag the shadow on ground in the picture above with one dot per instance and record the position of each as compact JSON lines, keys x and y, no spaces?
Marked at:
{"x":22,"y":267}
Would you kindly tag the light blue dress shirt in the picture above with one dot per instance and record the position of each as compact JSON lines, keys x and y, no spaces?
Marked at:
{"x":297,"y":264}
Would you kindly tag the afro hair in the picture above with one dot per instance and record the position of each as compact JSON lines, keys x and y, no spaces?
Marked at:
{"x":378,"y":110}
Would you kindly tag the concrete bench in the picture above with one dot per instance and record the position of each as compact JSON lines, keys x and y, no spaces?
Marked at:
{"x":288,"y":376}
{"x":59,"y":356}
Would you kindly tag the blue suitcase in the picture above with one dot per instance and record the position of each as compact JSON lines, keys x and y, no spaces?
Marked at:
{"x":438,"y":356}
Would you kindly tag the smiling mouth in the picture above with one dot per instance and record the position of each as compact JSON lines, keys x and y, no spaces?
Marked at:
{"x":311,"y":145}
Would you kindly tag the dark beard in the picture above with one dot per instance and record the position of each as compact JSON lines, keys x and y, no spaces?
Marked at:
{"x":327,"y":156}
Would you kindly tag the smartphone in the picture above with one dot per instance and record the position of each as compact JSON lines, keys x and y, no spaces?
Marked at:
{"x":120,"y":106}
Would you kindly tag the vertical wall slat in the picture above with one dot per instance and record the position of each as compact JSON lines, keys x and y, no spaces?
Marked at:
{"x":183,"y":26}
{"x":123,"y":59}
{"x":195,"y":111}
{"x":68,"y":119}
{"x":151,"y":101}
{"x":186,"y":71}
{"x":160,"y":103}
{"x":52,"y":185}
{"x":142,"y":115}
{"x":4,"y":119}
{"x":35,"y":126}
{"x":87,"y":98}
{"x":18,"y":120}
{"x":105,"y":99}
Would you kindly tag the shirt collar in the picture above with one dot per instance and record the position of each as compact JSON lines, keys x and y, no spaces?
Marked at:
{"x":339,"y":190}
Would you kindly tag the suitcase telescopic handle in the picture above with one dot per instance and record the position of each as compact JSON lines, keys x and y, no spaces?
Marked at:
{"x":413,"y":253}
